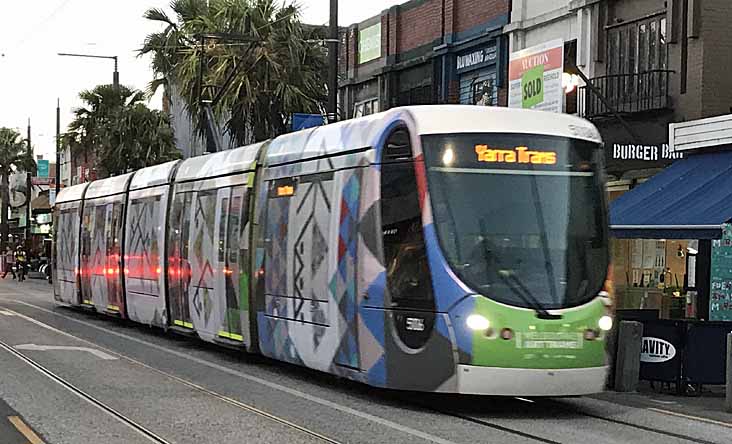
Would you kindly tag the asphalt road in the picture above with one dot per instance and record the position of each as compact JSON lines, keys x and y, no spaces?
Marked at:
{"x":74,"y":377}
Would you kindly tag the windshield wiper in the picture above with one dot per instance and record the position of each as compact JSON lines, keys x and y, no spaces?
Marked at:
{"x":522,"y":292}
{"x":542,"y":234}
{"x":526,"y":295}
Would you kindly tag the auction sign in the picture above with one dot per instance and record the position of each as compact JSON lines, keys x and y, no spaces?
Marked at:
{"x":535,"y":77}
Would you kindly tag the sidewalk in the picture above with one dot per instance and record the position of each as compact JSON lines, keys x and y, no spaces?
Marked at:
{"x":708,"y":407}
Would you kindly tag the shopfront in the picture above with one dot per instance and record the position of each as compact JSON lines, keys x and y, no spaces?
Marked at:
{"x":477,"y":74}
{"x":673,"y":248}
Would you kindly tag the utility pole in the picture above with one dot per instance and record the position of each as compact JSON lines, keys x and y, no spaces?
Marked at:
{"x":333,"y":62}
{"x":29,"y":187}
{"x":58,"y":146}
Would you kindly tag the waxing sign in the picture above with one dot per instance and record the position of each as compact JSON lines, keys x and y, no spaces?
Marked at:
{"x":655,"y":350}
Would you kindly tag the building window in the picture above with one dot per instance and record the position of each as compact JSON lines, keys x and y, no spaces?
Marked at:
{"x":638,"y":47}
{"x":418,"y":95}
{"x":366,"y":108}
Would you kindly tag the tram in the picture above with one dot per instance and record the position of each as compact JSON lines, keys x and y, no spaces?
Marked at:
{"x":456,"y":249}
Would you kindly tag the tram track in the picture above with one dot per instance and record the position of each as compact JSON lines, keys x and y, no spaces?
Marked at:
{"x":548,"y":404}
{"x":543,"y":439}
{"x":142,"y":430}
{"x":577,"y":411}
{"x":137,"y":427}
{"x":494,"y":426}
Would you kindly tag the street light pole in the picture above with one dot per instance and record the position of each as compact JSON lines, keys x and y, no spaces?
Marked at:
{"x":115,"y":74}
{"x":29,"y":187}
{"x":58,"y":146}
{"x":333,"y":62}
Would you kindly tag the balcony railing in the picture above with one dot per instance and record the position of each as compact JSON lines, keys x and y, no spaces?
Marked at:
{"x":625,"y":93}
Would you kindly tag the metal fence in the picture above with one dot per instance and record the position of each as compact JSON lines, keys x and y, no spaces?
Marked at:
{"x":625,"y":93}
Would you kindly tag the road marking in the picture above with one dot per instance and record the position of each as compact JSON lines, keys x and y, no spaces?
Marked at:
{"x":24,"y":430}
{"x":84,"y":396}
{"x":221,"y":397}
{"x":658,"y":401}
{"x":692,"y":417}
{"x":98,"y":353}
{"x":308,"y":397}
{"x":6,"y":313}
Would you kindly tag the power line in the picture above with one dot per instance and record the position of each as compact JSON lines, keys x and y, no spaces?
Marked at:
{"x":48,"y":18}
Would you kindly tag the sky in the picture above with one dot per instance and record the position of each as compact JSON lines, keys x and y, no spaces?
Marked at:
{"x":33,"y":32}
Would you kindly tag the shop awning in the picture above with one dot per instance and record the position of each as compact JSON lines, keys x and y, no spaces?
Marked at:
{"x":690,"y":199}
{"x":41,"y":203}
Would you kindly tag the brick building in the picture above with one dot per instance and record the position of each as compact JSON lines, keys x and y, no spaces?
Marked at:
{"x":425,"y":51}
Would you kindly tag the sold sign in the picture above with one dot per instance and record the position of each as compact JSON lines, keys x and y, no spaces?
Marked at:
{"x":532,"y":87}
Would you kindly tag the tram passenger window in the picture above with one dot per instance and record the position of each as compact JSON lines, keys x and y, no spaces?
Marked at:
{"x":405,"y":257}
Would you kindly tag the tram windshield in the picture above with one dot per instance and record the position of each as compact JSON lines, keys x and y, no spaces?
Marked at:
{"x":520,"y":217}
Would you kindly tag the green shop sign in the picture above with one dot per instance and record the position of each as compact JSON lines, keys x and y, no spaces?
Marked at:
{"x":43,"y":166}
{"x":369,"y":43}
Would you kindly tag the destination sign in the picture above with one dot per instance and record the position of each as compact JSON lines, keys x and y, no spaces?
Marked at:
{"x":520,"y":154}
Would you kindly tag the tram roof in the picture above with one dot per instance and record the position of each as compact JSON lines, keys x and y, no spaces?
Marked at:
{"x":108,"y":187}
{"x":154,"y":175}
{"x":219,"y":164}
{"x":71,"y":194}
{"x":369,"y":131}
{"x":449,"y":119}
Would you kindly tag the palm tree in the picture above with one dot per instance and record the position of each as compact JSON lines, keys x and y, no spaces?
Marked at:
{"x":139,"y":137}
{"x":14,"y":157}
{"x":119,"y":131}
{"x":255,"y":56}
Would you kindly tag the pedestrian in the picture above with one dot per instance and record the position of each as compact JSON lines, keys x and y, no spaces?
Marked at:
{"x":9,"y":257}
{"x":21,"y":258}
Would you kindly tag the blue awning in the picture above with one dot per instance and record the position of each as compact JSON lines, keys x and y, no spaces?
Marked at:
{"x":690,"y":199}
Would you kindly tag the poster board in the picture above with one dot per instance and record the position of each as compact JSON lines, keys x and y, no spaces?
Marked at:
{"x":535,"y":77}
{"x":720,"y":297}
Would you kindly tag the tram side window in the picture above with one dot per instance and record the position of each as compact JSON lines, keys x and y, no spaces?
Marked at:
{"x":405,"y":256}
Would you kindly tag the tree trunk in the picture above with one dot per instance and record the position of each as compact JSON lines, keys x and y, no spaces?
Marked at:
{"x":5,"y":197}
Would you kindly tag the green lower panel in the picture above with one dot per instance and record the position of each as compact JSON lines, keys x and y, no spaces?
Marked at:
{"x":538,"y":343}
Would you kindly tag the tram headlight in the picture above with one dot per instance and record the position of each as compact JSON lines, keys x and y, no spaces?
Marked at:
{"x":605,"y":323}
{"x":477,"y":322}
{"x":448,"y":156}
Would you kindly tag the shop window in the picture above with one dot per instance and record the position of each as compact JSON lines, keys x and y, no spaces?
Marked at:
{"x":479,"y":88}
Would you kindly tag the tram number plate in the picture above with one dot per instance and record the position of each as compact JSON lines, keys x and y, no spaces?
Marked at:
{"x":414,"y":324}
{"x":549,"y":340}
